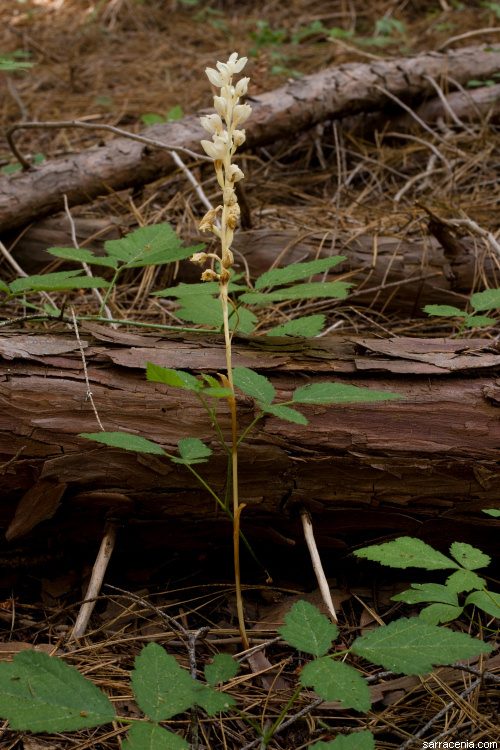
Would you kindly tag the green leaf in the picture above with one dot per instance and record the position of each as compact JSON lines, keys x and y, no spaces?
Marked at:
{"x":336,"y":681}
{"x":161,"y":687}
{"x":444,"y":310}
{"x":308,"y":630}
{"x":464,"y":580}
{"x":213,"y":701}
{"x":124,"y":440}
{"x":192,"y":451}
{"x":330,"y":289}
{"x":175,"y":113}
{"x":53,"y":282}
{"x":477,"y":321}
{"x":309,"y":326}
{"x":283,"y":412}
{"x":469,"y":557}
{"x":4,"y":287}
{"x":253,"y":384}
{"x":177,"y":378}
{"x":205,"y":310}
{"x":412,"y":646}
{"x":210,"y":288}
{"x":406,"y":552}
{"x":218,"y":392}
{"x":338,"y":393}
{"x":223,"y":668}
{"x":82,"y":255}
{"x":487,"y":300}
{"x":296,"y":271}
{"x":489,"y":601}
{"x":44,"y":694}
{"x":146,"y":736}
{"x":440,"y":613}
{"x":492,"y":512}
{"x":356,"y":741}
{"x":152,"y":118}
{"x":149,"y":246}
{"x":212,"y":382}
{"x":427,"y":592}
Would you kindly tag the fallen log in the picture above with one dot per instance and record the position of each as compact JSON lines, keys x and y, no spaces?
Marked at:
{"x":424,"y":465}
{"x":391,"y":274}
{"x":332,"y":93}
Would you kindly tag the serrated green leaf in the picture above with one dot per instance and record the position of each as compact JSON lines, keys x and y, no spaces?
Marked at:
{"x":487,"y":300}
{"x":296,"y":271}
{"x":469,"y":557}
{"x":412,"y":646}
{"x":82,"y":255}
{"x":444,"y":310}
{"x":312,"y":290}
{"x":427,"y":592}
{"x":192,"y":451}
{"x":478,"y":321}
{"x":149,"y":246}
{"x":213,"y":701}
{"x":338,"y":393}
{"x":406,"y":552}
{"x":492,"y":512}
{"x":283,"y":412}
{"x":489,"y":601}
{"x":309,"y":326}
{"x":209,"y":288}
{"x":44,"y":694}
{"x":212,"y":382}
{"x":254,"y":384}
{"x":356,"y":741}
{"x":440,"y":613}
{"x":124,"y":440}
{"x":53,"y":282}
{"x":336,"y":681}
{"x":223,"y":668}
{"x":205,"y":310}
{"x":176,"y":113}
{"x":146,"y":736}
{"x":308,"y":630}
{"x":161,"y":687}
{"x":218,"y":392}
{"x":176,"y":378}
{"x":4,"y":287}
{"x":464,"y":580}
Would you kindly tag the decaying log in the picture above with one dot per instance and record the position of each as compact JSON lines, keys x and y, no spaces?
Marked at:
{"x":332,"y":93}
{"x":425,"y":465}
{"x":391,"y":274}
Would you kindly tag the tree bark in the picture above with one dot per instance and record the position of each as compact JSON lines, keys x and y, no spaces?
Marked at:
{"x":332,"y":93}
{"x":424,"y":465}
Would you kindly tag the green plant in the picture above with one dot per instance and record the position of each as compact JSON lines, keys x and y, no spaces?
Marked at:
{"x":481,"y":301}
{"x":15,"y":61}
{"x":493,"y":81}
{"x":152,"y":118}
{"x":443,"y":600}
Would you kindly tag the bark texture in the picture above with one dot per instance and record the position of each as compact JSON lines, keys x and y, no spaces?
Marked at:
{"x":424,"y":465}
{"x":332,"y":93}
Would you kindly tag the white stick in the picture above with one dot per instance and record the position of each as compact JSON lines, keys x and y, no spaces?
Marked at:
{"x":316,"y":561}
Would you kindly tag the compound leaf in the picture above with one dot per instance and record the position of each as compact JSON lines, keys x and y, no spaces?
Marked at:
{"x":477,"y":321}
{"x":209,"y":288}
{"x":150,"y":246}
{"x":444,"y":310}
{"x":487,"y":300}
{"x":4,"y":287}
{"x":177,"y":378}
{"x":223,"y":668}
{"x":82,"y":255}
{"x":464,"y":580}
{"x":338,"y":393}
{"x":161,"y":687}
{"x":413,"y":646}
{"x":427,"y":592}
{"x":253,"y":384}
{"x":192,"y":451}
{"x":296,"y":271}
{"x":489,"y":601}
{"x":206,"y":310}
{"x":406,"y":552}
{"x":53,"y":282}
{"x":356,"y":741}
{"x":336,"y":681}
{"x":308,"y":630}
{"x":437,"y":613}
{"x":124,"y":440}
{"x":146,"y":736}
{"x":309,"y":326}
{"x":213,"y":701}
{"x":44,"y":694}
{"x":492,"y":512}
{"x":331,"y":289}
{"x":284,"y":412}
{"x":469,"y":557}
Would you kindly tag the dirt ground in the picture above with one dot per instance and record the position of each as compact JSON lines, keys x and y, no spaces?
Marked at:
{"x":124,"y":63}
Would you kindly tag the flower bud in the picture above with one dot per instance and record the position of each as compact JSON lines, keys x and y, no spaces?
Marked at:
{"x":241,"y":87}
{"x":228,"y":195}
{"x":207,"y":223}
{"x":238,"y":137}
{"x":216,"y":150}
{"x":214,"y":77}
{"x":209,"y":275}
{"x":234,"y":173}
{"x":241,"y":113}
{"x":232,"y":216}
{"x":212,"y":123}
{"x":220,"y":104}
{"x":198,"y":258}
